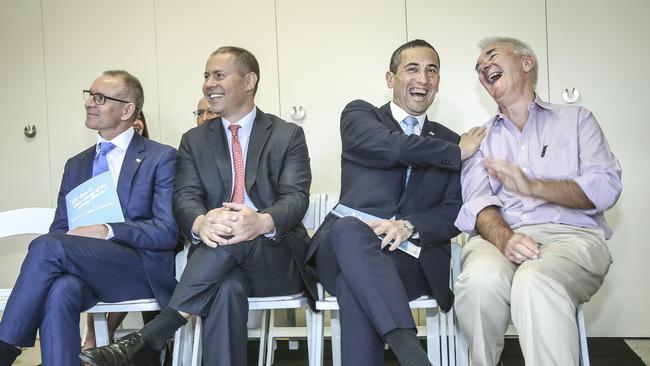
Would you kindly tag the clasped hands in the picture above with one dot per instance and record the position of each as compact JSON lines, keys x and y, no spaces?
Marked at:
{"x":231,"y":224}
{"x":393,"y":230}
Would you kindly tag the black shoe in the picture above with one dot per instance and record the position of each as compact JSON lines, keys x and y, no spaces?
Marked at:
{"x":122,"y":352}
{"x":8,"y":353}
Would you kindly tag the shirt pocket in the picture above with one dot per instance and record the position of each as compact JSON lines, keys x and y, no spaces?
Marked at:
{"x":559,"y":161}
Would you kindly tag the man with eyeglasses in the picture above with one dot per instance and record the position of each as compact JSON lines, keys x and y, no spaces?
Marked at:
{"x":68,"y":271}
{"x":242,"y":189}
{"x":203,"y":112}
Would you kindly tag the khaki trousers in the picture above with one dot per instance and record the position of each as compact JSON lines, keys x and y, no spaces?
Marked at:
{"x":540,"y":295}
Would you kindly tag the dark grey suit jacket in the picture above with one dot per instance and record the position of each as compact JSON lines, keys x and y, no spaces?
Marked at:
{"x":278,"y":177}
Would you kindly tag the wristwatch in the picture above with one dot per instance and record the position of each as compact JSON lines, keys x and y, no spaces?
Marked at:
{"x":408,"y":226}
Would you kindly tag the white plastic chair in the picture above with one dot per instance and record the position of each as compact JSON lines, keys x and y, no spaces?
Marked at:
{"x":267,"y":331}
{"x":34,"y":220}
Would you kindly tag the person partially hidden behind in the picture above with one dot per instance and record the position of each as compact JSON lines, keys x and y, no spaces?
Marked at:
{"x":402,"y":168}
{"x":534,"y":196}
{"x":203,"y":112}
{"x":242,"y":189}
{"x":68,"y":271}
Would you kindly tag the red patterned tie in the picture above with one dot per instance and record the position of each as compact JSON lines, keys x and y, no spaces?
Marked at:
{"x":238,"y":162}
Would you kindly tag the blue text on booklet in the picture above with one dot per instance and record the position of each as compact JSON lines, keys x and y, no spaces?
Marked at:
{"x":94,"y":202}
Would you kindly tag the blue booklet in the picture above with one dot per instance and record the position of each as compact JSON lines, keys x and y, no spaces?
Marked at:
{"x":342,"y":211}
{"x":94,"y":202}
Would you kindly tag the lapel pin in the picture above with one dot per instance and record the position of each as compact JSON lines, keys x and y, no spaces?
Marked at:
{"x":431,"y":133}
{"x":138,"y":160}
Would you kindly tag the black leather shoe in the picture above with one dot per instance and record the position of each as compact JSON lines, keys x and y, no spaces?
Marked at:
{"x":122,"y":352}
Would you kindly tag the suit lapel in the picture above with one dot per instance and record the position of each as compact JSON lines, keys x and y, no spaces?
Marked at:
{"x":86,"y":171}
{"x":220,"y":153}
{"x":259,"y":135}
{"x":387,"y":118}
{"x":132,"y":161}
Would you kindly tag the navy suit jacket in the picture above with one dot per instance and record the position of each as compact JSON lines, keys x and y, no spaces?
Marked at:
{"x":374,"y":159}
{"x":145,"y":188}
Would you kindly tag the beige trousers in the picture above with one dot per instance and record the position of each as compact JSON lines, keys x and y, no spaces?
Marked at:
{"x":540,"y":295}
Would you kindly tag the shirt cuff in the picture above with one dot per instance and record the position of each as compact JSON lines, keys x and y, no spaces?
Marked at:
{"x":466,"y":220}
{"x":110,"y":234}
{"x":195,"y":239}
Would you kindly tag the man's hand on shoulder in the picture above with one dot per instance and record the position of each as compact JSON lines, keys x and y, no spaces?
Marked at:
{"x":92,"y":231}
{"x":470,"y":142}
{"x":246,"y":223}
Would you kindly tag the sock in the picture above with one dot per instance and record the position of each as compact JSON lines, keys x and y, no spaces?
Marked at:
{"x":157,"y":331}
{"x":8,"y":353}
{"x":406,"y":347}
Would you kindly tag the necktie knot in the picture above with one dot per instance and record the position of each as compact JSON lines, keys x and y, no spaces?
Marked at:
{"x":100,"y":164}
{"x":234,"y":128}
{"x":105,"y":147}
{"x":410,"y":123}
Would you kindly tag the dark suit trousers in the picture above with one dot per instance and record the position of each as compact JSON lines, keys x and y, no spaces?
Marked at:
{"x":373,"y":288}
{"x":61,"y":276}
{"x":216,"y":284}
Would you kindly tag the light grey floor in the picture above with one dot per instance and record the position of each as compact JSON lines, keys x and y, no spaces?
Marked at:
{"x":31,"y":356}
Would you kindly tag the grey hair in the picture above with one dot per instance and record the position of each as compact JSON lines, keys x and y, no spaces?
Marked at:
{"x":520,"y":47}
{"x":132,"y":89}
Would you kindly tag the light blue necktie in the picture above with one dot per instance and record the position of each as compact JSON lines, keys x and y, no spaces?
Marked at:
{"x":410,"y":123}
{"x":100,"y":164}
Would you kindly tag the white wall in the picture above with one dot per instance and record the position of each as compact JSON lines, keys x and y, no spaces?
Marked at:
{"x":320,"y":55}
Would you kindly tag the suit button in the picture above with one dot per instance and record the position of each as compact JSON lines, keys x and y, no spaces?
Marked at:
{"x":398,"y":210}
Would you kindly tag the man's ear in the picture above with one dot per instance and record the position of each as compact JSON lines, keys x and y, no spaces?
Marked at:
{"x":389,"y":79}
{"x":129,"y":110}
{"x":251,"y":81}
{"x":527,"y":63}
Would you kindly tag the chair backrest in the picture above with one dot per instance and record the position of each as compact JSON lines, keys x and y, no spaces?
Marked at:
{"x":33,"y":220}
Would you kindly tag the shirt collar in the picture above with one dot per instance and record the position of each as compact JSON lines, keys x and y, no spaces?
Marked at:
{"x":399,"y":114}
{"x":120,"y":141}
{"x":246,"y":123}
{"x":537,"y":104}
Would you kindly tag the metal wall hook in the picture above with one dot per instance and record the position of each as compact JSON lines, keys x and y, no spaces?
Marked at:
{"x":297,"y":113}
{"x":30,"y":131}
{"x":570,"y":96}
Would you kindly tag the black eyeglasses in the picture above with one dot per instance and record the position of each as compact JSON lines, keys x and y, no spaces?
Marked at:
{"x":199,"y":112}
{"x":100,"y":99}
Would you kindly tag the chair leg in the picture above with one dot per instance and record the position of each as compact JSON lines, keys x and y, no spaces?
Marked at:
{"x":266,"y":343}
{"x":101,"y":329}
{"x":197,"y":350}
{"x":335,"y":331}
{"x":177,"y":352}
{"x":310,"y":336}
{"x":433,"y":336}
{"x":582,"y":332}
{"x":318,"y":338}
{"x":462,"y":350}
{"x":444,"y":340}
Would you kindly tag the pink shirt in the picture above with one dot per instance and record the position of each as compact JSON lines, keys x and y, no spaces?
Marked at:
{"x":557,"y":142}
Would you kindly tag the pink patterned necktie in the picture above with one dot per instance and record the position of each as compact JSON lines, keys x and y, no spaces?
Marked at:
{"x":238,"y":162}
